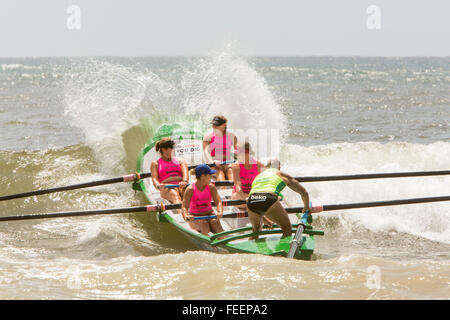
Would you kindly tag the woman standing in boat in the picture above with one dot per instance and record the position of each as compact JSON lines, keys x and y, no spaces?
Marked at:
{"x":265,"y":195}
{"x":197,"y":202}
{"x":220,"y":146}
{"x":168,"y":170}
{"x":244,"y":172}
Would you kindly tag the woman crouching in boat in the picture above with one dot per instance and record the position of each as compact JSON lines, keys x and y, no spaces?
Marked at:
{"x":265,"y":195}
{"x":167,"y":169}
{"x":244,"y":172}
{"x":197,"y":202}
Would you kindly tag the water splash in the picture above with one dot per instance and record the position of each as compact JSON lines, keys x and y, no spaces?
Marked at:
{"x":106,"y":99}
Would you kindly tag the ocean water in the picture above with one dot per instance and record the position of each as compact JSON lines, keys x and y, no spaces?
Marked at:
{"x":72,"y":120}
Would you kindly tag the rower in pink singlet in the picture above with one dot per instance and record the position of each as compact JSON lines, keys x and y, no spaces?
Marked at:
{"x":247,"y":176}
{"x":243,"y":177}
{"x":168,"y":169}
{"x":220,"y":147}
{"x":197,"y":202}
{"x":201,"y":201}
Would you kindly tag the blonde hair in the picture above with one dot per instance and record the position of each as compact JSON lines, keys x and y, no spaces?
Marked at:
{"x":273,"y":163}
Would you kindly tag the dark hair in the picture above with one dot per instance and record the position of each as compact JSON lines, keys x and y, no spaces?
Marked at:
{"x":244,"y":145}
{"x":219,"y":120}
{"x":164,"y":143}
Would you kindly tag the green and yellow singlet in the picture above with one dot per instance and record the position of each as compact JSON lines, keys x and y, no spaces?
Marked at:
{"x":268,"y":181}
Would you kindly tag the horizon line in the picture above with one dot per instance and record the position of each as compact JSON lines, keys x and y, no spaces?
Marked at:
{"x":212,"y":55}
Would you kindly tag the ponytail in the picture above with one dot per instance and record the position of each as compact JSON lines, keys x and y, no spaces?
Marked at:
{"x":164,"y":143}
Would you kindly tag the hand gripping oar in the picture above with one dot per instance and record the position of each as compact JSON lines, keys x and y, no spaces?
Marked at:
{"x":127,"y":178}
{"x":150,"y":208}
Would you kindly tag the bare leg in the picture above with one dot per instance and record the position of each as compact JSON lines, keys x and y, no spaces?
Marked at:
{"x":278,"y":214}
{"x":220,"y":174}
{"x":228,"y":169}
{"x":240,"y":196}
{"x":173,"y":195}
{"x":215,"y":226}
{"x":256,"y":221}
{"x":201,"y":226}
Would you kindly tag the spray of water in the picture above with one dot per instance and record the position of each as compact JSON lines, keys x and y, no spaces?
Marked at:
{"x":104,"y":100}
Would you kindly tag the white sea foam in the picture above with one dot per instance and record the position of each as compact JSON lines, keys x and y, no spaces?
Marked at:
{"x":431,"y":221}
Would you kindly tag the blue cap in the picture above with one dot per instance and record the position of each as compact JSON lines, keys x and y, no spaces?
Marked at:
{"x":203,"y":169}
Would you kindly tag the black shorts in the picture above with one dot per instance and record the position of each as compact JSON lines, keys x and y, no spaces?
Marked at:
{"x":261,"y":202}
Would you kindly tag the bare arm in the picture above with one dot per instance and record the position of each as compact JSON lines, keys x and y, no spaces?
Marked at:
{"x":154,"y":172}
{"x":236,"y":177}
{"x":235,"y":146}
{"x":297,"y":187}
{"x":184,"y":170}
{"x":186,"y":202}
{"x":217,"y":200}
{"x":260,"y":166}
{"x":206,"y":148}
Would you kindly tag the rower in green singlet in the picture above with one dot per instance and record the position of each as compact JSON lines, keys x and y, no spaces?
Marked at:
{"x":265,"y":195}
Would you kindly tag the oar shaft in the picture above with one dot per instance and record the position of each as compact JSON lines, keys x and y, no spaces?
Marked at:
{"x":333,"y":207}
{"x":373,"y":176}
{"x":149,"y":208}
{"x":126,"y":178}
{"x":226,"y":183}
{"x":73,"y":214}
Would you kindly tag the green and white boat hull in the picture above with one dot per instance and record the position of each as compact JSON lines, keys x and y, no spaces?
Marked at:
{"x":235,"y":238}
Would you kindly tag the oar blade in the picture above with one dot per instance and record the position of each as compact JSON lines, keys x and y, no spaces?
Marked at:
{"x":297,"y":241}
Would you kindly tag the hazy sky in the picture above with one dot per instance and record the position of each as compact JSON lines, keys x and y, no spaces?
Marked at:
{"x":200,"y":27}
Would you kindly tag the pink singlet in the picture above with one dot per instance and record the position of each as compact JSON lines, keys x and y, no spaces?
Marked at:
{"x":168,"y":169}
{"x":221,"y":146}
{"x":200,"y":201}
{"x":247,"y":176}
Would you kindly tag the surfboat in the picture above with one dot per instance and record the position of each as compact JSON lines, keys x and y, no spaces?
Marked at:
{"x":237,"y":229}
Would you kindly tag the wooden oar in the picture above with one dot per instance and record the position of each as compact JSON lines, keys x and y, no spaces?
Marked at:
{"x":150,"y":208}
{"x":127,"y":178}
